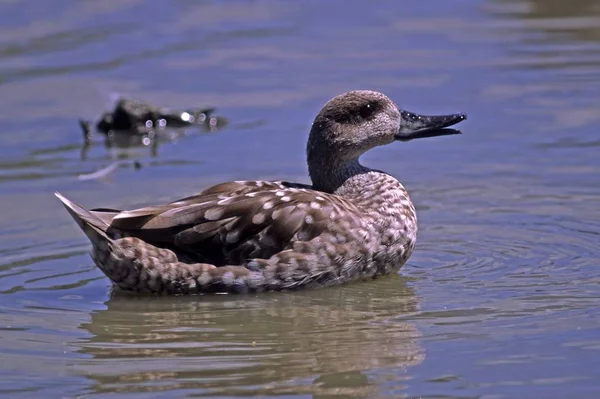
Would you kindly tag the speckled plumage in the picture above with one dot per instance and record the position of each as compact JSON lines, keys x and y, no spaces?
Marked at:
{"x":249,"y":236}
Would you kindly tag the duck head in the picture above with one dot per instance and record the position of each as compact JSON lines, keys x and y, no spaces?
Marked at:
{"x":354,"y":122}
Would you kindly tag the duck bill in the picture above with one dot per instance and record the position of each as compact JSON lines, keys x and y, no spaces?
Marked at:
{"x":416,"y":126}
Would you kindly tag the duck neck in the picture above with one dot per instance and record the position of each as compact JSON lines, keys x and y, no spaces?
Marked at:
{"x":337,"y":176}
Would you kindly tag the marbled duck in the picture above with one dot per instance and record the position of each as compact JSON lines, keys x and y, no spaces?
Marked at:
{"x":248,"y":236}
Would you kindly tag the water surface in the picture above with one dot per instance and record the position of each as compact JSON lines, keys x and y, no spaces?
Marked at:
{"x":500,"y":299}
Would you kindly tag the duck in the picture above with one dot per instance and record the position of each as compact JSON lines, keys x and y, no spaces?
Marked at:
{"x":135,"y":123}
{"x":353,"y":223}
{"x":130,"y":114}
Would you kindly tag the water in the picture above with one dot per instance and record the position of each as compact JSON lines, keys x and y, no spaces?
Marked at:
{"x":500,"y":299}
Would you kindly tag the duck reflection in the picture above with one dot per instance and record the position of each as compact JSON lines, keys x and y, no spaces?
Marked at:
{"x":346,"y":340}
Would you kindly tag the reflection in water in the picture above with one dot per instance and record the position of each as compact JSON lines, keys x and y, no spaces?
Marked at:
{"x":560,"y":20}
{"x":337,"y":340}
{"x":557,"y":35}
{"x":562,"y":38}
{"x":123,"y":140}
{"x":536,"y":9}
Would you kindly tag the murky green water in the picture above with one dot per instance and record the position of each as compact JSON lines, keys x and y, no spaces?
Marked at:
{"x":500,"y":299}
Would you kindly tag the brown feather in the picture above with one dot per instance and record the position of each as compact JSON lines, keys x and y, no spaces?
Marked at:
{"x":253,"y":220}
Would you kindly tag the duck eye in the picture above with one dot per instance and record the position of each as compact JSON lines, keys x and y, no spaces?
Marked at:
{"x":366,"y":111}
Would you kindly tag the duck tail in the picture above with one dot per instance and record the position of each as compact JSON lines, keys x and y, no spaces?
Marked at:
{"x":93,"y":227}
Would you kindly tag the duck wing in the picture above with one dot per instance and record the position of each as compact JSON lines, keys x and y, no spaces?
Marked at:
{"x":232,"y":222}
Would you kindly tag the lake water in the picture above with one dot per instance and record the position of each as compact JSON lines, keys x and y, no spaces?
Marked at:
{"x":501,"y":297}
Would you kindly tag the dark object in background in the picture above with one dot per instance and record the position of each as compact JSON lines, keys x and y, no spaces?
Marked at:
{"x":133,"y":123}
{"x":129,"y":114}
